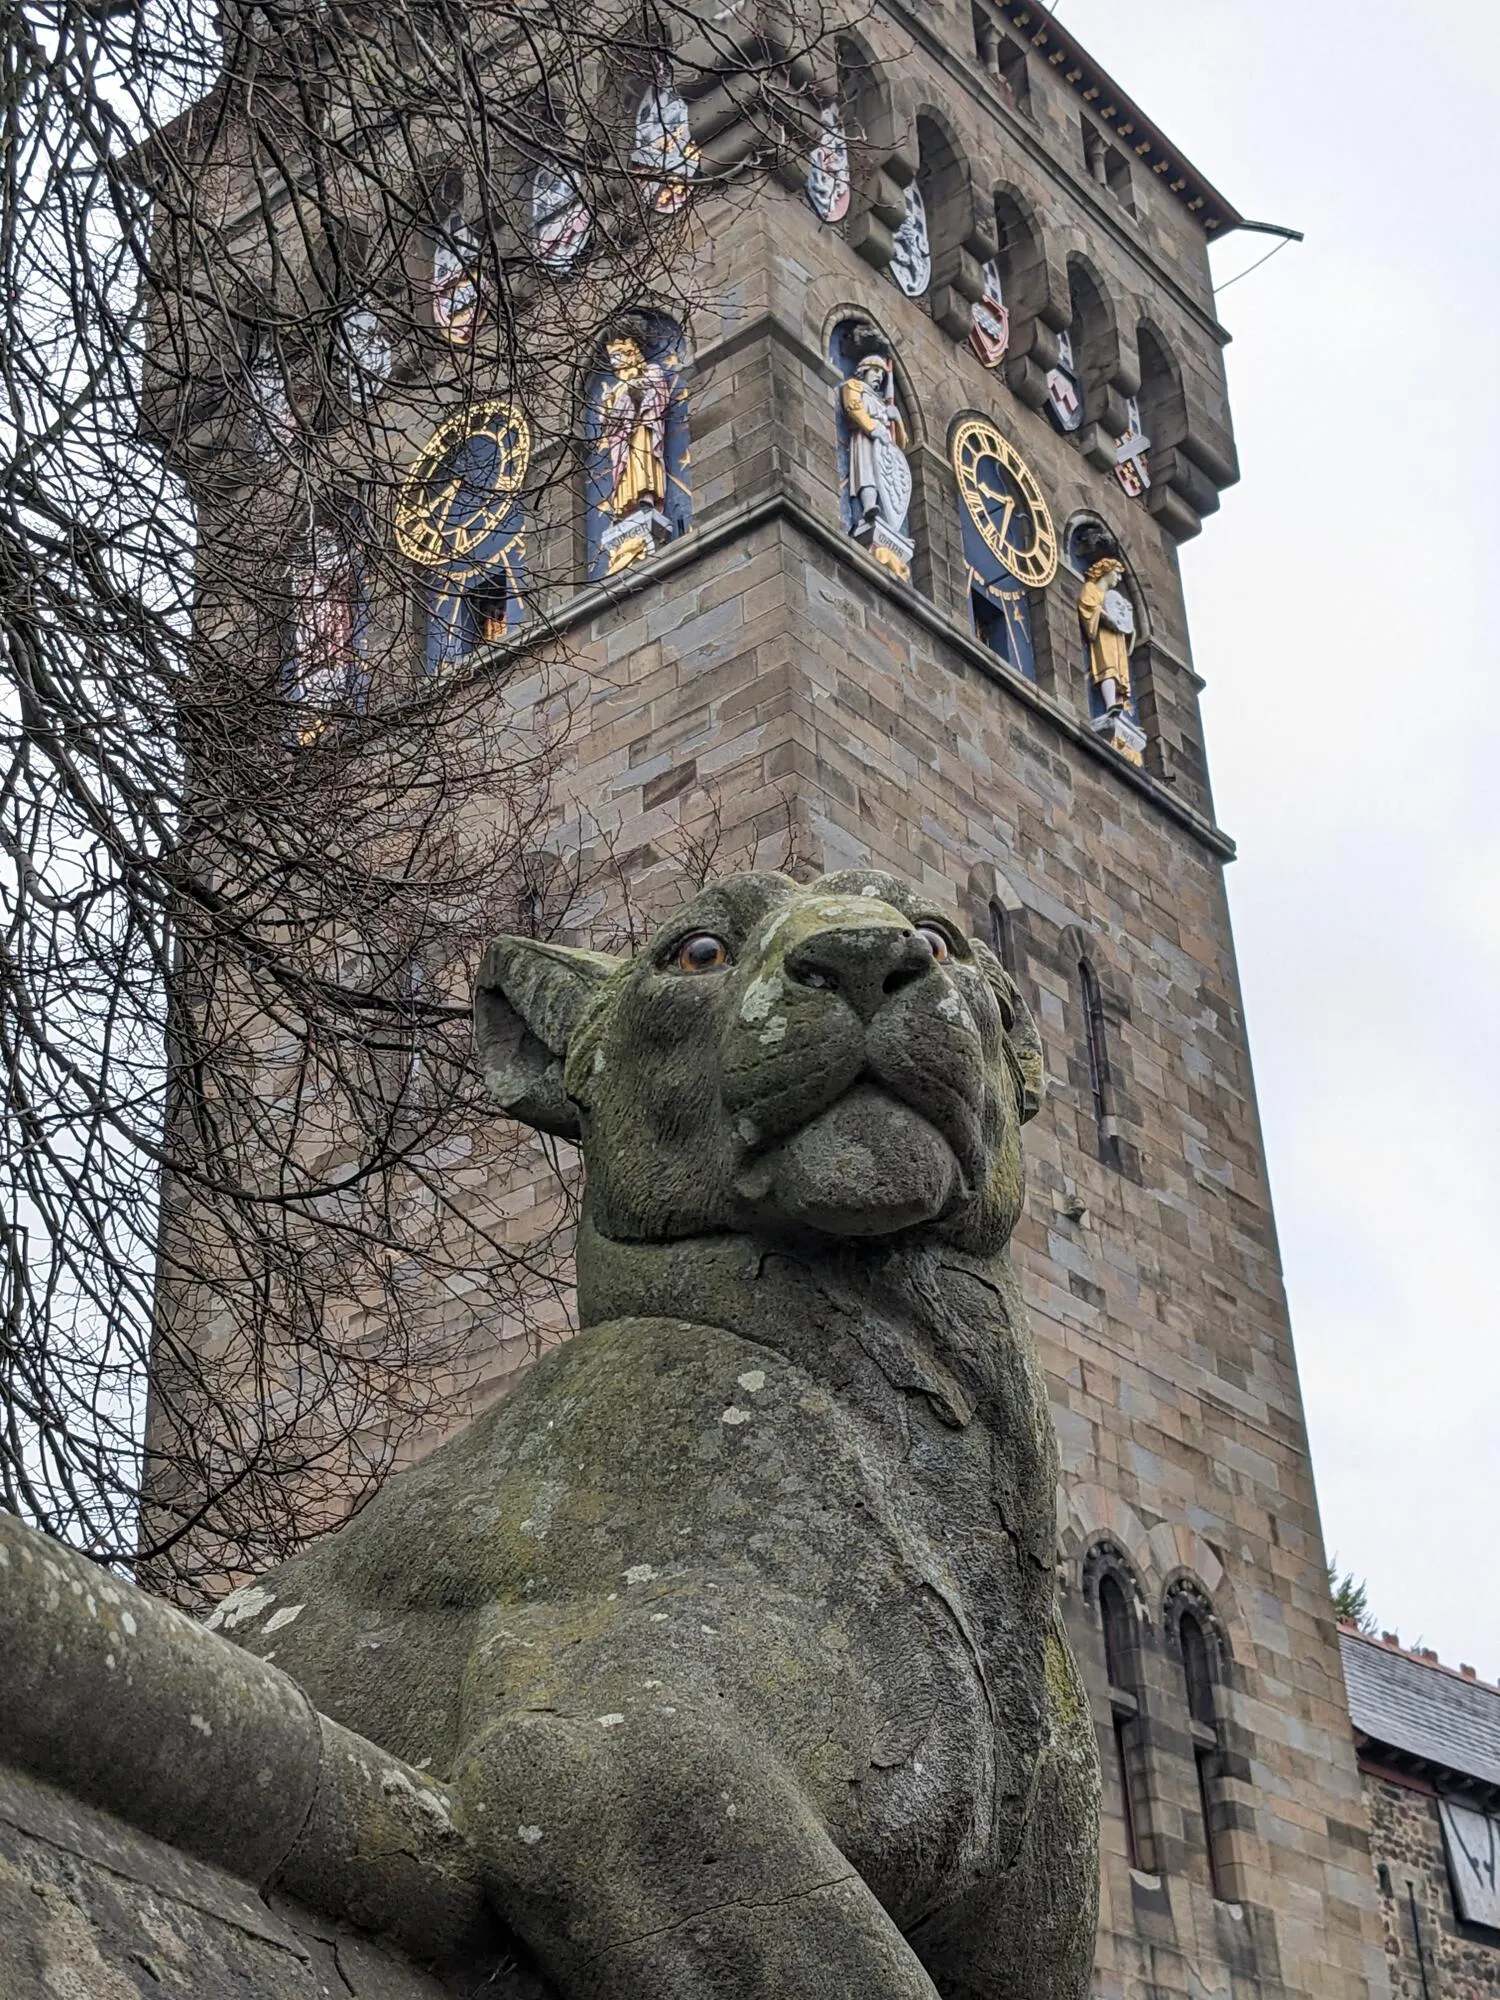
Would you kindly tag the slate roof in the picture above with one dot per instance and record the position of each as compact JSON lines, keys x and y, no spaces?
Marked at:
{"x":1422,"y":1708}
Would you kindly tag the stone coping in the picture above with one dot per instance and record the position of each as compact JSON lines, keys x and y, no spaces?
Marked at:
{"x":127,"y":1705}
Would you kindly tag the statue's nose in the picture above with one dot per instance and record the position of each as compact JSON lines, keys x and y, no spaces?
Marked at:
{"x":865,"y":965}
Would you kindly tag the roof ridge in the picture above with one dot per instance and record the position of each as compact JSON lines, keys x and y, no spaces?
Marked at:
{"x":1388,"y":1643}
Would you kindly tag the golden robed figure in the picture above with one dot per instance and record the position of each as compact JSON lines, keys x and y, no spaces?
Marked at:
{"x":633,"y":425}
{"x":1108,"y":621}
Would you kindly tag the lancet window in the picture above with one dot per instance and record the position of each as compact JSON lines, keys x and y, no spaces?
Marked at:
{"x":1122,"y":1674}
{"x":1096,"y":1048}
{"x":1199,"y":1654}
{"x":1001,"y":942}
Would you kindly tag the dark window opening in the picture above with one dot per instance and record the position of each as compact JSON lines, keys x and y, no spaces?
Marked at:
{"x":1117,"y":178}
{"x":1003,"y":60}
{"x":1106,"y":165}
{"x":1000,"y":933}
{"x":488,"y":610}
{"x":1198,"y":1677}
{"x":1098,"y":1054}
{"x":1118,"y":1626}
{"x":1094,"y":149}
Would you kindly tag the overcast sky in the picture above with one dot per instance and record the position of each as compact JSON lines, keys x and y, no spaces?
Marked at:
{"x":1344,"y":614}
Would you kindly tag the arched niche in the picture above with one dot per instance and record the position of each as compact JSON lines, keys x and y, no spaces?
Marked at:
{"x":1111,"y":633}
{"x":1086,"y":536}
{"x":1019,"y":254}
{"x":882,"y":158}
{"x":874,"y":435}
{"x":1093,"y":335}
{"x":1013,"y":288}
{"x":1163,"y":403}
{"x":960,"y":234}
{"x":638,"y":495}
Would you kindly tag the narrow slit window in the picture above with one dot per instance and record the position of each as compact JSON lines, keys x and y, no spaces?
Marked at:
{"x":1198,"y":1676}
{"x":1000,"y":939}
{"x":1098,"y":1050}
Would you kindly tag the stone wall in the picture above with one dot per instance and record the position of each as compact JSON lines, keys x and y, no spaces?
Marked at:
{"x":1433,"y":1954}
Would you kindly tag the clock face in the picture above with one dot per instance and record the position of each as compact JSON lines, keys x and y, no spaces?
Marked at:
{"x":460,"y":498}
{"x":1005,"y":503}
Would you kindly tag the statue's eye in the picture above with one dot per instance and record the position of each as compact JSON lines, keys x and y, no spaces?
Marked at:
{"x":940,"y":946}
{"x":702,"y":952}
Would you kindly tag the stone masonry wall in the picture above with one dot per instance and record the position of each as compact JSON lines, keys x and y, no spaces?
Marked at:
{"x":1433,"y":1953}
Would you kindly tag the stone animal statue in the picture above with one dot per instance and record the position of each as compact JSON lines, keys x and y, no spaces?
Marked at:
{"x":734,"y":1628}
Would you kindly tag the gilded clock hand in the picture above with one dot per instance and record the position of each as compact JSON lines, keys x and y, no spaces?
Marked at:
{"x":1006,"y":500}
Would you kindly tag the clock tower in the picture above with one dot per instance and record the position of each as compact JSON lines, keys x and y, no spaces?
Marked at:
{"x":872,"y":561}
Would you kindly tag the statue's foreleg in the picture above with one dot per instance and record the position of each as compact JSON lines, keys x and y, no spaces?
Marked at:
{"x":651,"y":1857}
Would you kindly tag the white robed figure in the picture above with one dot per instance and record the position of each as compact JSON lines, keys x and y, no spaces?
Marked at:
{"x":879,"y":476}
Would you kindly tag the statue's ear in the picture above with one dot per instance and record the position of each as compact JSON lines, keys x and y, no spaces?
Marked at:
{"x":528,"y":999}
{"x":1023,"y":1045}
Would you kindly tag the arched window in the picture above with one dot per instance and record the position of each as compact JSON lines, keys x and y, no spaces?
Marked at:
{"x":664,"y":154}
{"x":1117,"y":1622}
{"x":1014,"y":283}
{"x":1162,"y":404}
{"x":859,"y":94}
{"x":911,"y":247}
{"x":1199,"y":1678}
{"x":638,"y":496}
{"x":456,"y":279}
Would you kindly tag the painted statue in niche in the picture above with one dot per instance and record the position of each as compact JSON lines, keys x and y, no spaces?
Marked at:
{"x":560,"y":218}
{"x":455,"y":282}
{"x":460,"y":519}
{"x":1107,"y":617}
{"x":664,"y":146}
{"x":911,"y":251}
{"x":1132,"y":465}
{"x":1065,"y":389}
{"x":989,"y":335}
{"x":872,"y":445}
{"x":639,"y":495}
{"x":828,"y":183}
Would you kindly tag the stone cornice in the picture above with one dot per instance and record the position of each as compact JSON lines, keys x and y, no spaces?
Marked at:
{"x":1022,"y":131}
{"x":778,"y":505}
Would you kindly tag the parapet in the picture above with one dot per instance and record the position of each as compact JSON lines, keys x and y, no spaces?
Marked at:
{"x":177,"y":1818}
